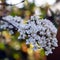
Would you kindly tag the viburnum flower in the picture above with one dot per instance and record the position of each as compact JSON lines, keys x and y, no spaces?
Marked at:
{"x":41,"y":33}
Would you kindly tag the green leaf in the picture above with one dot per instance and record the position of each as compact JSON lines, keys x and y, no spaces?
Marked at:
{"x":2,"y":46}
{"x":42,"y":53}
{"x":16,"y":55}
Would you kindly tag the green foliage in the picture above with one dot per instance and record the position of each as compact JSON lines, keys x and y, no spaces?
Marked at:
{"x":16,"y":55}
{"x":15,"y":36}
{"x":2,"y":46}
{"x":43,"y":11}
{"x":42,"y":53}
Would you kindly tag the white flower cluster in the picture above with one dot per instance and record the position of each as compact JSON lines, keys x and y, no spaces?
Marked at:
{"x":10,"y":22}
{"x":15,"y":21}
{"x":39,"y":33}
